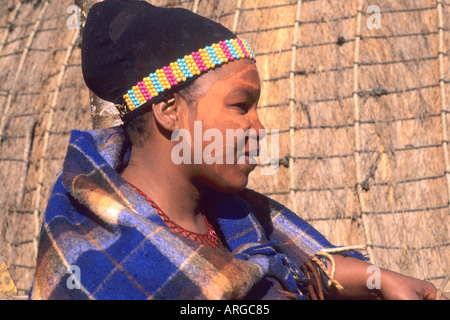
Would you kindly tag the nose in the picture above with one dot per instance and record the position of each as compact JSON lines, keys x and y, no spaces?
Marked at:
{"x":258,"y":126}
{"x":257,"y":132}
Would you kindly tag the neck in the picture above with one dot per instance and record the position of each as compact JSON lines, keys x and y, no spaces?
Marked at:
{"x":168,"y":186}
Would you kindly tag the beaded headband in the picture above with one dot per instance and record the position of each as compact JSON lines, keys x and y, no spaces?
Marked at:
{"x":184,"y":68}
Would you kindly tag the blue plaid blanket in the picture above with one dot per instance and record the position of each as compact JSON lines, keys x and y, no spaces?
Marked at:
{"x":100,"y":239}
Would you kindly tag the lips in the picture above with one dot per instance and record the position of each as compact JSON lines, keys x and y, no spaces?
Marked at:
{"x":252,"y":152}
{"x":249,"y":158}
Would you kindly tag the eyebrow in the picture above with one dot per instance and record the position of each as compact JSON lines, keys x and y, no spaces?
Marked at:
{"x":247,"y":91}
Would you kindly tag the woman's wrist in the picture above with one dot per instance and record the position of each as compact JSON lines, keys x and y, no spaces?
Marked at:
{"x":362,"y":280}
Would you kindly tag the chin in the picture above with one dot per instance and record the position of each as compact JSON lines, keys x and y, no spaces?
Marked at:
{"x":226,"y":181}
{"x":225,"y":185}
{"x":229,"y":187}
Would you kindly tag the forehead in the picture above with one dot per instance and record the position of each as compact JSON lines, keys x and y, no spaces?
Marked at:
{"x":239,"y":75}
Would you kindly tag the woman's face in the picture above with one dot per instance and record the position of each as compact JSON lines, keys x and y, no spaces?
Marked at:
{"x":224,"y":126}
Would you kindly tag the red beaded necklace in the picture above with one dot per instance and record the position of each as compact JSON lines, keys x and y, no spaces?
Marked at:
{"x":209,"y":238}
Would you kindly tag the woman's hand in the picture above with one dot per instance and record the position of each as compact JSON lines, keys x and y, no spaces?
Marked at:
{"x":354,"y":274}
{"x":395,"y":286}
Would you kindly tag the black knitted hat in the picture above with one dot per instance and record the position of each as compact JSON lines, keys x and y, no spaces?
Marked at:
{"x":124,"y":42}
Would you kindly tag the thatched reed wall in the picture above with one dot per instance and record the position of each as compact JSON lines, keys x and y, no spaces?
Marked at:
{"x":362,"y":113}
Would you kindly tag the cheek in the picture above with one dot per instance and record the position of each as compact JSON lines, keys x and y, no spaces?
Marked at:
{"x":214,"y":114}
{"x":219,"y":175}
{"x":219,"y":119}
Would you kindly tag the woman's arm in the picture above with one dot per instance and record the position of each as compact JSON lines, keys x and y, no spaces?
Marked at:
{"x":353,"y":275}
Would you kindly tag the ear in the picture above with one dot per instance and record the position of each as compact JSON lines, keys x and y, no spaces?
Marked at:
{"x":166,"y":114}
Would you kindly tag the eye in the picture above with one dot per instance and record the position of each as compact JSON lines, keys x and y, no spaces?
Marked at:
{"x":242,"y":107}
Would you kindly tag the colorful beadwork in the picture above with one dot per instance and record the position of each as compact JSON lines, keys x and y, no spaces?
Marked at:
{"x":187,"y":67}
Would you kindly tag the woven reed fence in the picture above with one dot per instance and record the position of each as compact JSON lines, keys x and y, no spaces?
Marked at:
{"x":361,"y":102}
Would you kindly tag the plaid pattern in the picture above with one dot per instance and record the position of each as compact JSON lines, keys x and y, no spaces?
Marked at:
{"x":99,"y":223}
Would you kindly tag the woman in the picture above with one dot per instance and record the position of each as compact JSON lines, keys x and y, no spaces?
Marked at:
{"x":132,"y":222}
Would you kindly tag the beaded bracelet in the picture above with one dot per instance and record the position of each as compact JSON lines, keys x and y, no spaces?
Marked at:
{"x":184,"y":68}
